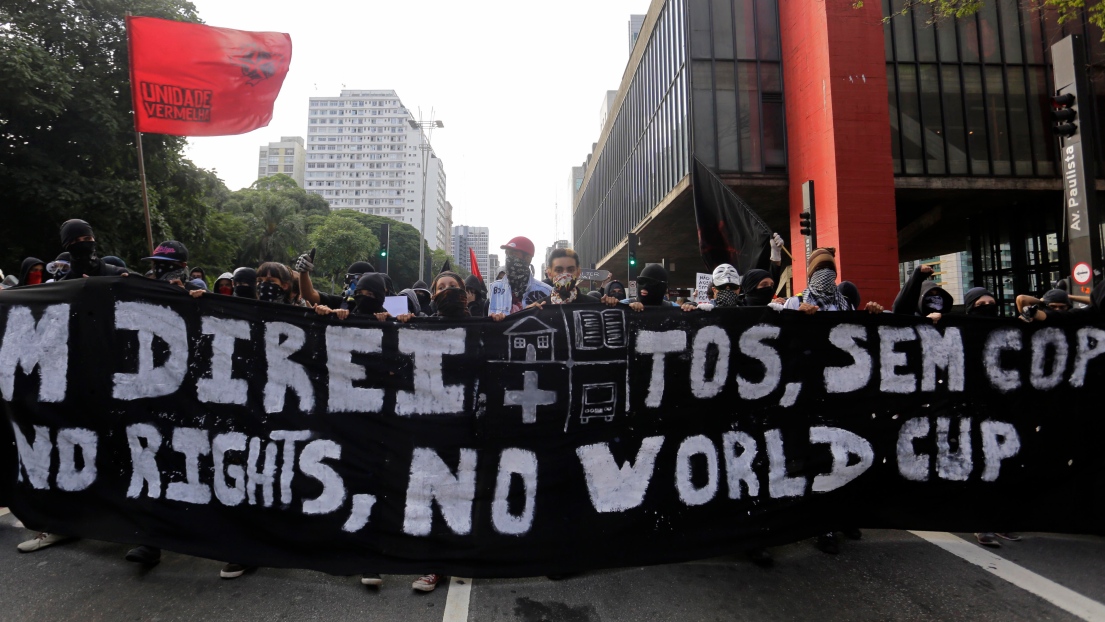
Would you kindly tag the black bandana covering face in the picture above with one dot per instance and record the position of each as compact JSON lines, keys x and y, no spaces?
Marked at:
{"x":452,"y":302}
{"x":990,"y":310}
{"x":271,"y":292}
{"x":759,"y":297}
{"x":517,"y":274}
{"x":726,"y":298}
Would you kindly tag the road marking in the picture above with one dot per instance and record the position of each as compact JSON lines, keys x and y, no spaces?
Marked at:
{"x":1064,"y":598}
{"x":456,"y":601}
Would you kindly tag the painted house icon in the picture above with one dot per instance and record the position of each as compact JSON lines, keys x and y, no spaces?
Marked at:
{"x":530,"y":340}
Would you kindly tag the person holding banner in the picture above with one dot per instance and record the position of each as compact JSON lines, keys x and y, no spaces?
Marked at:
{"x":477,"y":296}
{"x":563,"y":272}
{"x":78,"y":240}
{"x":517,"y":289}
{"x":725,"y":290}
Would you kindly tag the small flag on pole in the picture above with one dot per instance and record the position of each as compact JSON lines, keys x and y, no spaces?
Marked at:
{"x":475,"y":264}
{"x":195,"y":80}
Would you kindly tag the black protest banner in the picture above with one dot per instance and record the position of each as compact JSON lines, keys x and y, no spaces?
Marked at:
{"x":569,"y":438}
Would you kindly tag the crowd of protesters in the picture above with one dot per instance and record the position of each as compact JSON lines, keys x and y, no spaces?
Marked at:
{"x":450,"y":296}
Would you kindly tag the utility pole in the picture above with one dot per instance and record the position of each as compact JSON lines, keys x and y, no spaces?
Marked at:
{"x":426,"y":130}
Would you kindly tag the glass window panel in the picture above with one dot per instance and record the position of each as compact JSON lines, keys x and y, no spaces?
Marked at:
{"x":700,"y":28}
{"x":976,"y":120}
{"x":988,"y":30}
{"x":728,"y":128}
{"x":895,"y":126}
{"x":1018,"y":112}
{"x":910,"y":119}
{"x":746,"y":28}
{"x":968,"y":39}
{"x":955,"y":133}
{"x":945,"y":42}
{"x":705,"y":137}
{"x":998,"y":122}
{"x":722,"y":18}
{"x":771,"y":79}
{"x":1039,"y":105}
{"x":775,"y":153}
{"x":751,"y":159}
{"x":1033,"y":37}
{"x":767,"y":29}
{"x":1009,"y":13}
{"x":924,"y":33}
{"x":932,"y":122}
{"x":903,"y":31}
{"x":888,"y":39}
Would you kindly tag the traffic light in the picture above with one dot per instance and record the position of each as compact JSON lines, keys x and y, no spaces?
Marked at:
{"x":805,"y":224}
{"x":631,"y":252}
{"x":1062,"y":108}
{"x":385,"y":246}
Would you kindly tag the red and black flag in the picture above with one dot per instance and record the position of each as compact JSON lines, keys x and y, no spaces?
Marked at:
{"x":475,"y":264}
{"x":729,"y":231}
{"x":195,"y":80}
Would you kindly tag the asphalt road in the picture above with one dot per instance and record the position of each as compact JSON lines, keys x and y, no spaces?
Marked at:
{"x":889,"y":575}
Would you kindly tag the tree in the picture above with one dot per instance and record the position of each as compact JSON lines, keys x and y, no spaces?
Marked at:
{"x":66,"y":133}
{"x":956,"y":9}
{"x":340,"y":241}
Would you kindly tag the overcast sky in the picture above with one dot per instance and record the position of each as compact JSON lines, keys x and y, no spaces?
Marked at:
{"x":519,"y":86}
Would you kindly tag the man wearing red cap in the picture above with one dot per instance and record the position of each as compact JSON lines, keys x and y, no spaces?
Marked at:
{"x":517,"y":289}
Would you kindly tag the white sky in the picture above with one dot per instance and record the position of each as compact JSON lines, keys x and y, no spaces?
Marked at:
{"x":519,"y":86}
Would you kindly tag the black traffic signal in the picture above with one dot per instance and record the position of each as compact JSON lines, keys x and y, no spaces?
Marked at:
{"x":385,"y":246}
{"x":805,"y":224}
{"x":1062,"y":109}
{"x":631,"y":252}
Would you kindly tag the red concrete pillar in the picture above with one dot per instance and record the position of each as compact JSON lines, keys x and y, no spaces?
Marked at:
{"x":838,"y":135}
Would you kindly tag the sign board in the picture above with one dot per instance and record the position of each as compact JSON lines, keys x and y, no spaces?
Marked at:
{"x":1082,"y":273}
{"x":702,"y":287}
{"x":631,"y":290}
{"x":594,"y":275}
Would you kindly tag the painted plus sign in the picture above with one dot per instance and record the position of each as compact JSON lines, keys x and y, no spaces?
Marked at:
{"x":529,"y":398}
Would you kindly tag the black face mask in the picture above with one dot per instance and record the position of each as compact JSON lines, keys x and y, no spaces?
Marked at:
{"x":984,"y":311}
{"x":451,"y":302}
{"x":759,"y":297}
{"x":271,"y":292}
{"x":653,"y":291}
{"x":82,"y":252}
{"x":617,"y":292}
{"x":245,"y":291}
{"x":363,"y":304}
{"x":163,"y":271}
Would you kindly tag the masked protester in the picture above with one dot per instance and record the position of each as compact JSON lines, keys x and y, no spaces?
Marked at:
{"x":425,"y":297}
{"x":1055,"y":302}
{"x":58,"y":268}
{"x":245,"y":283}
{"x":413,"y":306}
{"x":980,"y":302}
{"x":456,"y":302}
{"x":224,"y":285}
{"x":477,"y":296}
{"x":517,"y":289}
{"x":563,"y":272}
{"x":821,"y":292}
{"x":615,"y":289}
{"x":32,"y":271}
{"x":304,"y":265}
{"x":757,"y":288}
{"x":78,"y":240}
{"x":274,"y":283}
{"x":170,"y":262}
{"x":724,"y":290}
{"x":368,"y":295}
{"x":197,"y":273}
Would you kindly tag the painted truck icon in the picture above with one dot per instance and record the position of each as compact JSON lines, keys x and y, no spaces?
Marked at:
{"x":599,"y":400}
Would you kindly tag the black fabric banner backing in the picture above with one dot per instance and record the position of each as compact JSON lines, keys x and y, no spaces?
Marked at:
{"x":564,"y":439}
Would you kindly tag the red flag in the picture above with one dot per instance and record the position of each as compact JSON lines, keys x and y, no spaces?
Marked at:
{"x":475,"y":265}
{"x":194,"y":80}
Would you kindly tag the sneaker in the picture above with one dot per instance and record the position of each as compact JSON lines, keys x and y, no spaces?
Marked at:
{"x":145,"y":555}
{"x":761,"y":557}
{"x":987,"y":538}
{"x":1012,"y":537}
{"x":232,"y":571}
{"x":41,"y":541}
{"x":853,"y":534}
{"x":426,"y":583}
{"x":828,"y":543}
{"x":371,"y":579}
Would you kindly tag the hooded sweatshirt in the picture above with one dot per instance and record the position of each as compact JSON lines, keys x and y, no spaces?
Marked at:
{"x":927,"y":303}
{"x":972,"y":296}
{"x":478,"y":307}
{"x":25,"y":269}
{"x":374,"y":283}
{"x":907,"y":301}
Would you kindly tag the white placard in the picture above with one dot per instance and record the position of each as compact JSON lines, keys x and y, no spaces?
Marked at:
{"x":702,"y":289}
{"x":396,"y":305}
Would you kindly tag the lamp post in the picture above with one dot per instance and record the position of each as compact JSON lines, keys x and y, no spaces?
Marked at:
{"x":426,"y":130}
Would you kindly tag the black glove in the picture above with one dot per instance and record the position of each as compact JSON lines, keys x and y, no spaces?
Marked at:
{"x":303,"y":263}
{"x":1029,"y":312}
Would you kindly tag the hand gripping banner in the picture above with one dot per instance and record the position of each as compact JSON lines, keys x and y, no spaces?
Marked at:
{"x":557,"y":440}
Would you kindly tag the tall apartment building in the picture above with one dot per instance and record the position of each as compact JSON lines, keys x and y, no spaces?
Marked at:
{"x":636,"y":22}
{"x":363,"y":153}
{"x":476,"y":238}
{"x":493,"y":267}
{"x":549,"y":250}
{"x":289,"y":156}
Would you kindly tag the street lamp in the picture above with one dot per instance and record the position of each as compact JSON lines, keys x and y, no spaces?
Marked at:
{"x":426,"y":132}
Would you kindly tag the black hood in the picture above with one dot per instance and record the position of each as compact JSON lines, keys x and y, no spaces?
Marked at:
{"x":29,"y":263}
{"x":929,"y":288}
{"x":850,"y":292}
{"x":412,"y":301}
{"x":752,"y":279}
{"x":420,"y":285}
{"x":612,"y":285}
{"x":973,"y":294}
{"x":474,"y":283}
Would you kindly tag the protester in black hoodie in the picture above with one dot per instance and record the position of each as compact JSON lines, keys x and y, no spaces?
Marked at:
{"x":923,"y":297}
{"x":78,"y":240}
{"x":980,"y":302}
{"x":32,"y":272}
{"x":424,"y":296}
{"x":477,"y":296}
{"x":615,"y":289}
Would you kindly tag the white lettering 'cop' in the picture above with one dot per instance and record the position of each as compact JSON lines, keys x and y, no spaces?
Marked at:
{"x":152,"y":321}
{"x":44,"y":344}
{"x":613,"y":488}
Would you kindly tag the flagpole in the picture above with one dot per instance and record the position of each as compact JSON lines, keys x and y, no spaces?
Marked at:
{"x":138,"y":139}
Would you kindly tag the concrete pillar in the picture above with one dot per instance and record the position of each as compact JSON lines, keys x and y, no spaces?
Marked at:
{"x":838,"y":134}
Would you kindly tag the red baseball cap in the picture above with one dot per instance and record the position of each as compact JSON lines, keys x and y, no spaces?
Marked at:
{"x":520,"y":243}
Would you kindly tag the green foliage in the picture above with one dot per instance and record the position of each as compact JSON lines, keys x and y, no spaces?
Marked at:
{"x":955,"y":9}
{"x":340,"y":241}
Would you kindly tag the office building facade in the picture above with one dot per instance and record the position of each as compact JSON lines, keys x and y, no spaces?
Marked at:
{"x":364,"y":153}
{"x":288,"y":157}
{"x":475,"y":238}
{"x":921,"y":139}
